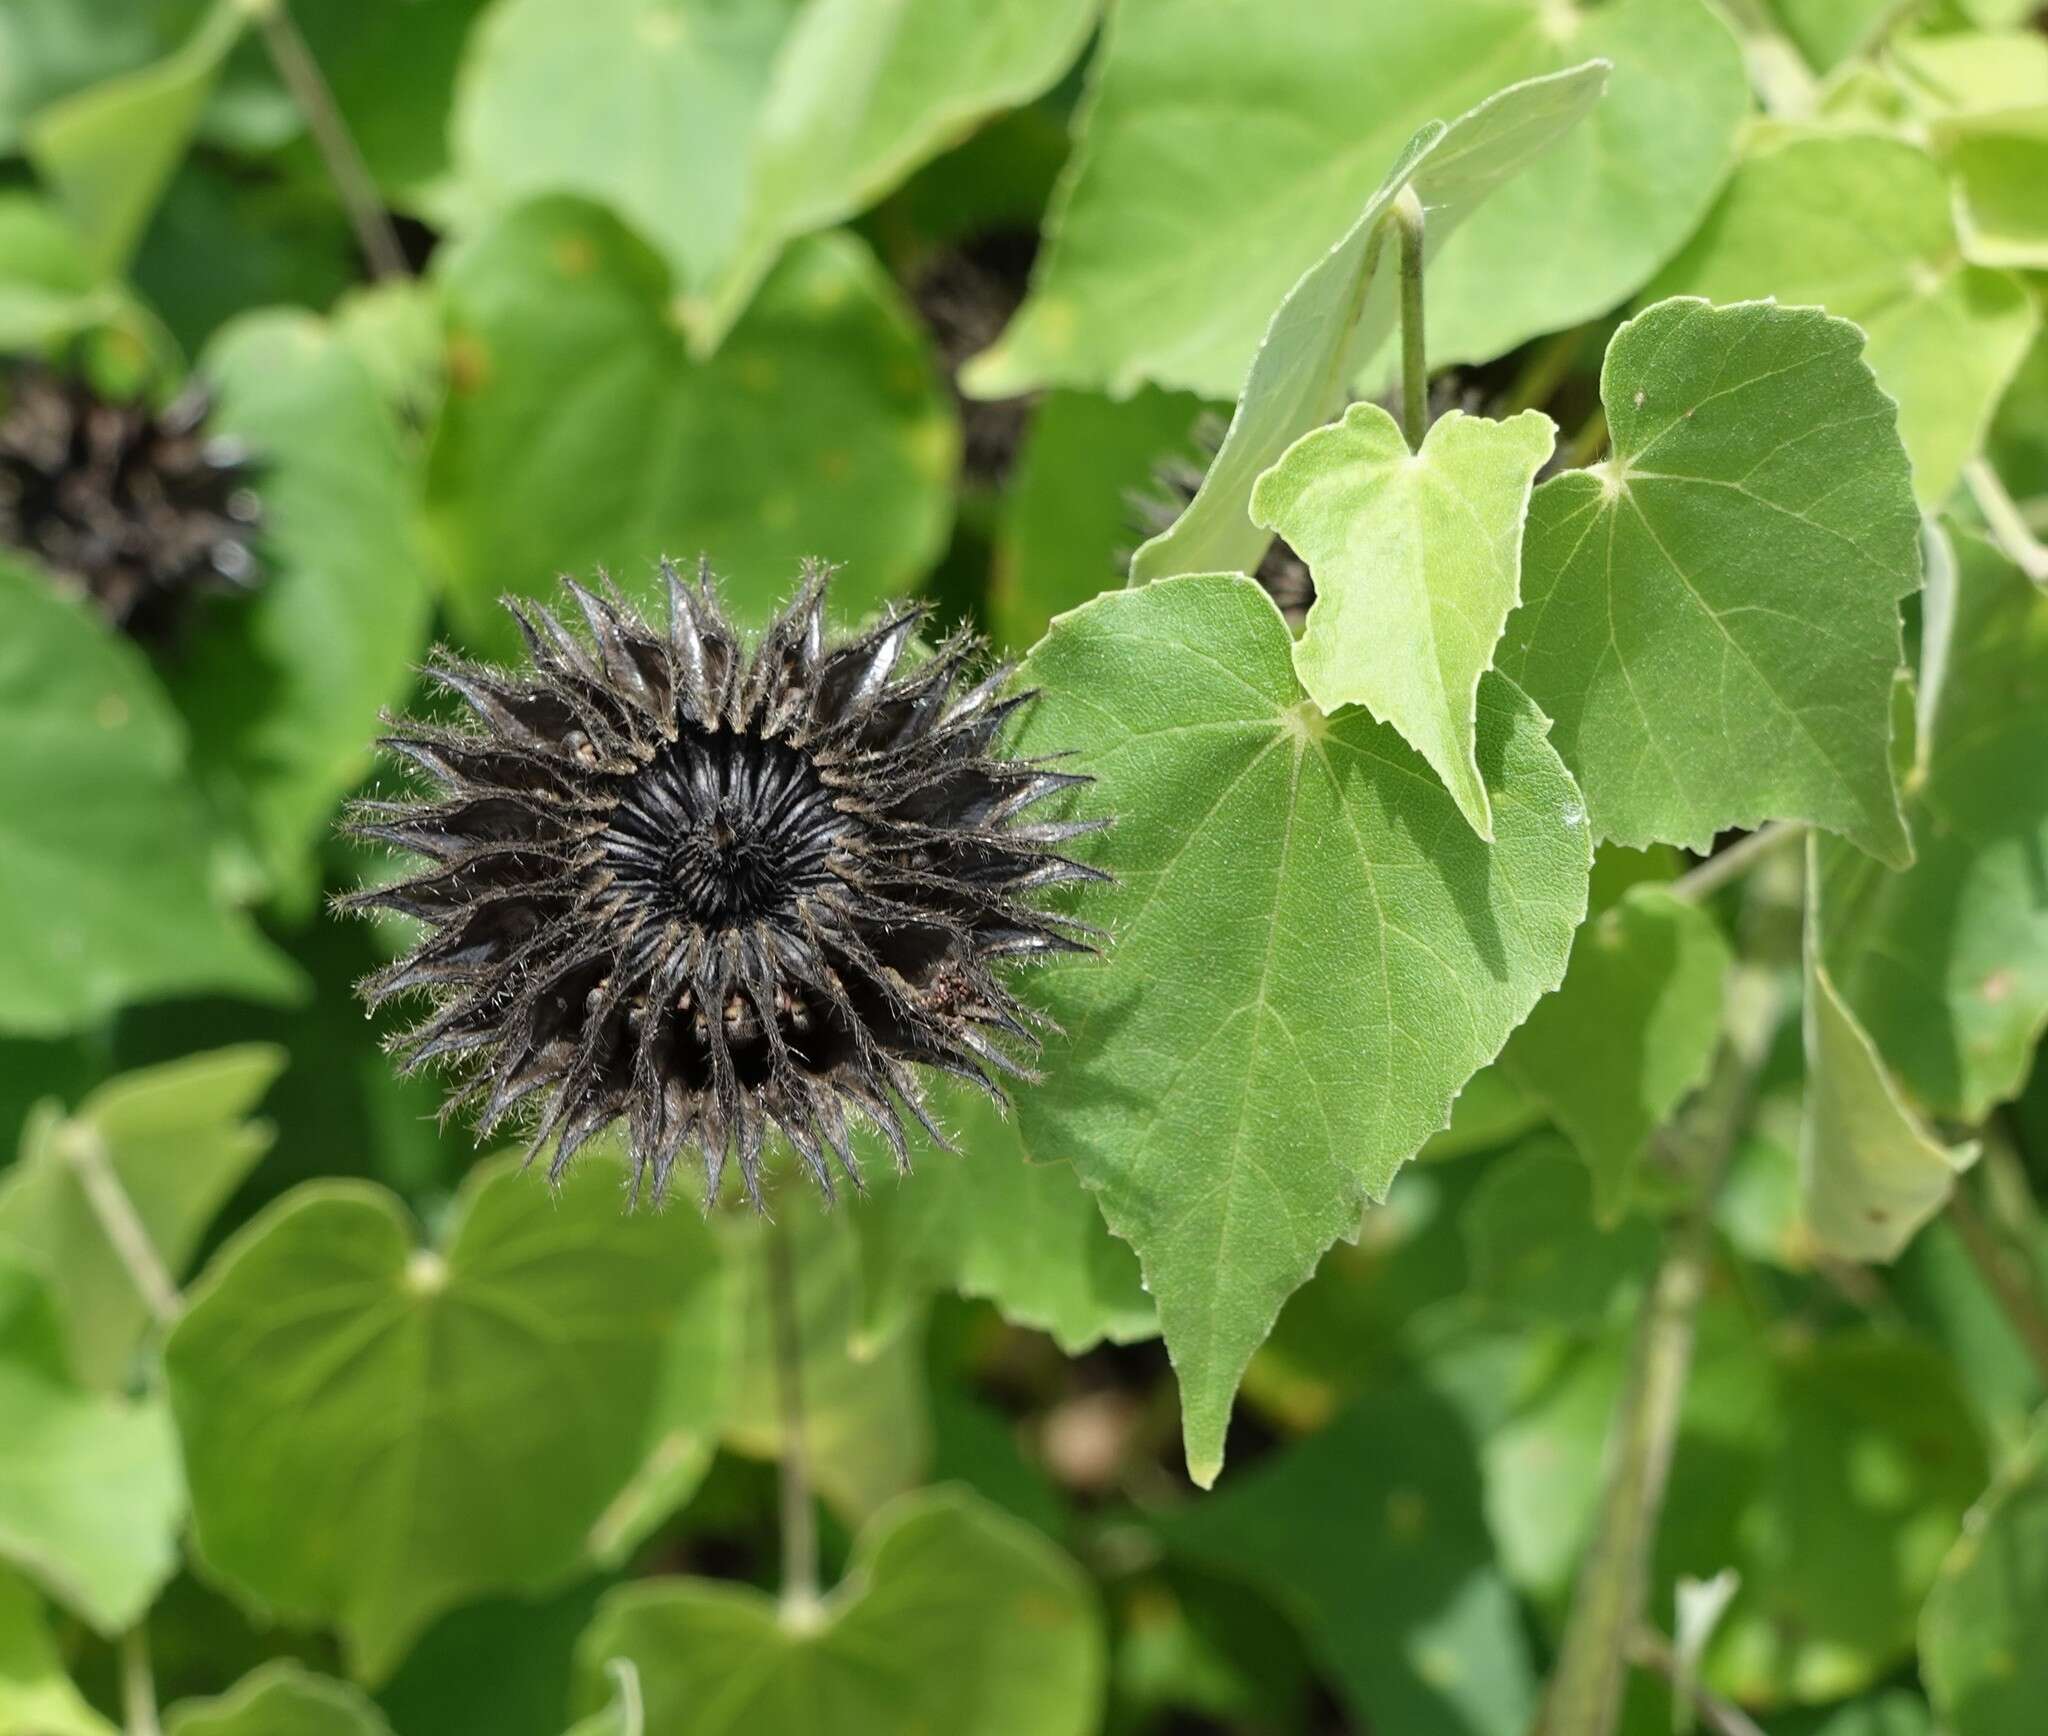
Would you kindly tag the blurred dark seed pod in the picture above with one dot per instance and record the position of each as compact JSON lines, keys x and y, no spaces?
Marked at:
{"x":1282,"y":573}
{"x":715,"y":892}
{"x":965,"y":295}
{"x":139,"y":510}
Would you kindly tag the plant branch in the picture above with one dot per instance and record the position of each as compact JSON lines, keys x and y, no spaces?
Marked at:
{"x":2008,"y":525}
{"x":1585,"y":1693}
{"x":1735,"y":861}
{"x":138,"y":1685}
{"x":1408,"y":220}
{"x":337,"y":146}
{"x":800,"y":1603}
{"x":1652,"y":1650}
{"x":86,"y":1152}
{"x":2016,"y":1297}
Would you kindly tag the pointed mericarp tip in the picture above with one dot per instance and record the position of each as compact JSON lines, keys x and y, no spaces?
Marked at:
{"x":1204,"y":1467}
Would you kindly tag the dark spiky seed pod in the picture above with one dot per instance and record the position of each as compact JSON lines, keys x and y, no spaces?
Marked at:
{"x":139,"y":510}
{"x":710,"y":893}
{"x":966,"y":294}
{"x":1282,"y":574}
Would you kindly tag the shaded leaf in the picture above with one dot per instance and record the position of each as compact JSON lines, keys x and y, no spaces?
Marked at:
{"x":1417,"y":561}
{"x":280,"y":1699}
{"x":1711,"y":616}
{"x":952,"y":1617}
{"x":1538,"y":1255}
{"x":1235,"y":1104}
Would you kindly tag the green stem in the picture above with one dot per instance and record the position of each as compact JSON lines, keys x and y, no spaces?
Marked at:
{"x":1735,"y":861}
{"x":138,"y":1684}
{"x":1585,"y":1694}
{"x":337,"y":145}
{"x":800,"y":1602}
{"x":1777,"y":70}
{"x":1408,"y":219}
{"x":125,"y":1231}
{"x":2008,"y":525}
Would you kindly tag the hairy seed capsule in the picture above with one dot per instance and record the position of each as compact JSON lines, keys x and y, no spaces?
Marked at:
{"x":137,"y":509}
{"x":711,"y":892}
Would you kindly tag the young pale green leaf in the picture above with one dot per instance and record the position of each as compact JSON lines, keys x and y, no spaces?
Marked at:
{"x":91,"y":1499}
{"x":37,"y":1698}
{"x":282,"y":693}
{"x":579,"y":433}
{"x":952,"y":1617}
{"x":1223,"y":151}
{"x":862,"y":92}
{"x":866,"y":1425}
{"x":1980,"y":1633}
{"x":1374,"y":1533}
{"x":103,"y":844}
{"x":642,"y":105}
{"x":1712,"y":615}
{"x":1632,"y":1030}
{"x":178,"y":1140}
{"x":1087,"y":476}
{"x":1946,"y":963}
{"x":1982,"y":99}
{"x":1862,"y":226}
{"x":1309,"y":953}
{"x":1417,"y":559}
{"x":1343,"y":308}
{"x":281,"y":1698}
{"x":1870,"y":1172}
{"x":107,"y":152}
{"x":396,"y":1400}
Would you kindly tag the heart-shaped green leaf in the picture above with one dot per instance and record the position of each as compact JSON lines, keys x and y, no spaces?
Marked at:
{"x":1308,"y":953}
{"x":1712,"y":615}
{"x":952,"y":1617}
{"x":396,"y":1399}
{"x":1417,"y":559}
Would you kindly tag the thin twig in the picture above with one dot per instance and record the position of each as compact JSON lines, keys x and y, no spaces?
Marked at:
{"x":86,"y":1152}
{"x":1742,"y":855}
{"x":2014,"y":1295}
{"x":1650,"y":1649}
{"x":138,"y":1684}
{"x":1585,"y":1693}
{"x":351,"y":175}
{"x":2007,"y":524}
{"x":1408,"y":222}
{"x":800,"y":1603}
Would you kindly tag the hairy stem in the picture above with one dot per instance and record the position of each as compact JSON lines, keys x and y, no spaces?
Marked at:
{"x":2015,"y":1295}
{"x":1735,"y":861}
{"x":138,"y":1685}
{"x":799,"y":1518}
{"x":129,"y":1237}
{"x":2008,"y":525}
{"x":1585,"y":1693}
{"x":1414,"y":352}
{"x":337,"y":146}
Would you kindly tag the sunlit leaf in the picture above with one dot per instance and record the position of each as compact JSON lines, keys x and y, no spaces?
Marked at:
{"x":1235,"y":1104}
{"x":1712,"y":615}
{"x":280,"y":1699}
{"x":36,"y":1697}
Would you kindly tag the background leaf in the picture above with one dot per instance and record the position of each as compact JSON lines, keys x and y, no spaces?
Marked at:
{"x":280,"y":1699}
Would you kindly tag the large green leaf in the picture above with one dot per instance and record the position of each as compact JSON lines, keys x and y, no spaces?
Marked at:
{"x":642,"y":105}
{"x":1980,"y":1634}
{"x":91,"y":1501}
{"x":1862,"y":226}
{"x":177,"y":1140}
{"x":280,"y":1699}
{"x":36,"y":1697}
{"x":1234,"y":1103}
{"x":1712,"y":615}
{"x":107,"y":152}
{"x":103,"y":846}
{"x":437,"y":1423}
{"x":1225,"y":148}
{"x":283,"y":691}
{"x":1342,"y":308}
{"x":1628,"y":1035}
{"x":952,"y":1617}
{"x":1870,"y":1171}
{"x":1946,"y":963}
{"x":1373,"y":1534}
{"x":863,"y":91}
{"x":1417,"y":559}
{"x":578,"y":431}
